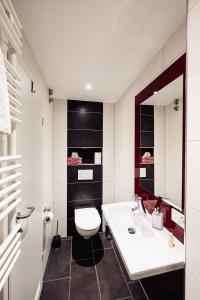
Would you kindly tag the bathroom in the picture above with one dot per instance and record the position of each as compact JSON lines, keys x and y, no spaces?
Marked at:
{"x":99,"y":150}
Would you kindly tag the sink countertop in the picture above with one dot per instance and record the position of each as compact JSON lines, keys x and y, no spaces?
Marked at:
{"x":145,"y":254}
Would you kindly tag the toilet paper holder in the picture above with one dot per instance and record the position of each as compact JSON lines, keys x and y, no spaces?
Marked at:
{"x":25,"y":213}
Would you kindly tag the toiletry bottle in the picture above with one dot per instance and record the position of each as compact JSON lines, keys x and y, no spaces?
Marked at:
{"x":157,"y":219}
{"x":171,"y":240}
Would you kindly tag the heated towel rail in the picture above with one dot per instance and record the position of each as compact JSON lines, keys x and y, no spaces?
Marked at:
{"x":10,"y":162}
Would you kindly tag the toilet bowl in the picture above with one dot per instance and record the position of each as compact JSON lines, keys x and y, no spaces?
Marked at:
{"x":87,"y":221}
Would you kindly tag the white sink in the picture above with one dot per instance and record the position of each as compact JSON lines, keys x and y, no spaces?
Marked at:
{"x":146,"y":252}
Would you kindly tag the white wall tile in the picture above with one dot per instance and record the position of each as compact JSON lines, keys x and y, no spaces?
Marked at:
{"x":108,"y":173}
{"x":108,"y":156}
{"x":191,"y":3}
{"x":193,"y":106}
{"x":193,"y":45}
{"x":60,"y":137}
{"x":192,"y":287}
{"x":60,"y":156}
{"x":108,"y":190}
{"x":108,"y":108}
{"x":60,"y":192}
{"x":60,"y":210}
{"x":108,"y":122}
{"x":60,"y":119}
{"x":60,"y":104}
{"x":60,"y":174}
{"x":193,"y":241}
{"x":193,"y":169}
{"x":108,"y":138}
{"x":176,"y":46}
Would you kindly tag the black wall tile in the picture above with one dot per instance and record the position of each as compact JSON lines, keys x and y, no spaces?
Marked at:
{"x":85,"y":106}
{"x":149,"y":170}
{"x":71,"y":228}
{"x":147,"y":139}
{"x":84,"y":191}
{"x":147,"y":123}
{"x":147,"y":185}
{"x":78,"y":120}
{"x":72,"y":173}
{"x":85,"y":138}
{"x":147,"y":109}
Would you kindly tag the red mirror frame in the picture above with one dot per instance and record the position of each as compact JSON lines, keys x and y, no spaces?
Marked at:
{"x":175,"y":70}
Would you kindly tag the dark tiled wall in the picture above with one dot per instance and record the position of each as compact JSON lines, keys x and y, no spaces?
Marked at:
{"x":147,"y":145}
{"x":85,"y":136}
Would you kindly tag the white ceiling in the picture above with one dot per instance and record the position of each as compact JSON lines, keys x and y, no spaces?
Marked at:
{"x":102,"y":42}
{"x":165,"y":96}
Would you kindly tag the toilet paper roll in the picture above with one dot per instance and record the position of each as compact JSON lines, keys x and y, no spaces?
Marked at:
{"x":48,"y":217}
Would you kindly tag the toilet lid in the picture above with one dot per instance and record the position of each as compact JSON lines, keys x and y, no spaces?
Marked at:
{"x":87,"y":218}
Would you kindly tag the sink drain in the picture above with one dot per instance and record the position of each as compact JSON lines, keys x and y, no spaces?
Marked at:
{"x":131,"y":230}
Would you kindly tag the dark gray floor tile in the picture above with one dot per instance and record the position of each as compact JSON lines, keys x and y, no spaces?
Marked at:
{"x":111,"y":280}
{"x":121,"y":262}
{"x":58,"y":265}
{"x":84,"y":284}
{"x":57,"y":289}
{"x":81,"y":248}
{"x":99,"y":242}
{"x":137,"y":291}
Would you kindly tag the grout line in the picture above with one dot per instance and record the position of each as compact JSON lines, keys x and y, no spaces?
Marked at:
{"x":123,"y":298}
{"x":144,"y":290}
{"x":82,"y":259}
{"x":96,"y":271}
{"x":122,"y":272}
{"x":70,"y":272}
{"x":56,"y":279}
{"x":102,"y":249}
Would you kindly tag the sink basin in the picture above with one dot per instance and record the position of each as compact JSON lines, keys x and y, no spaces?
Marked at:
{"x":146,"y":251}
{"x":130,"y":220}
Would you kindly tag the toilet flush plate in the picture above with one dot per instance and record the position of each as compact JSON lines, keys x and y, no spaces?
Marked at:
{"x":85,"y":174}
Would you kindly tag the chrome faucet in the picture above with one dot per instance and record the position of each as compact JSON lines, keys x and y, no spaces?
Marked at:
{"x":140,"y":206}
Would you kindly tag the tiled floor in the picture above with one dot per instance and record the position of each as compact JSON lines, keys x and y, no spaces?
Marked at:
{"x":93,"y":270}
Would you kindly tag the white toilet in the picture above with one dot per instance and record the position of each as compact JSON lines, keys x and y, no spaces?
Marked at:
{"x":87,"y":221}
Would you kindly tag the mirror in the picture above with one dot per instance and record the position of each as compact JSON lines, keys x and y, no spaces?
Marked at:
{"x":161,"y":143}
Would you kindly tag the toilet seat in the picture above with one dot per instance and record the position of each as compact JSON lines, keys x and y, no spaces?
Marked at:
{"x":87,"y":218}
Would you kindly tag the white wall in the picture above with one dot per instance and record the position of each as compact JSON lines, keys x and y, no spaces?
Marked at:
{"x":60,"y":161}
{"x":108,"y":152}
{"x":34,"y":143}
{"x":60,"y":166}
{"x":193,"y":150}
{"x":124,"y":113}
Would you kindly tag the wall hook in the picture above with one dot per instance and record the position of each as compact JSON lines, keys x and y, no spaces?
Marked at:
{"x":32,"y":87}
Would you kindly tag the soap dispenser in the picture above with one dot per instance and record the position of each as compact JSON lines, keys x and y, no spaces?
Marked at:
{"x":157,"y":219}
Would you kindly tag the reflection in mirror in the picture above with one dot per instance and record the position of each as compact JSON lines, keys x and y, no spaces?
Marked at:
{"x":162,"y":143}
